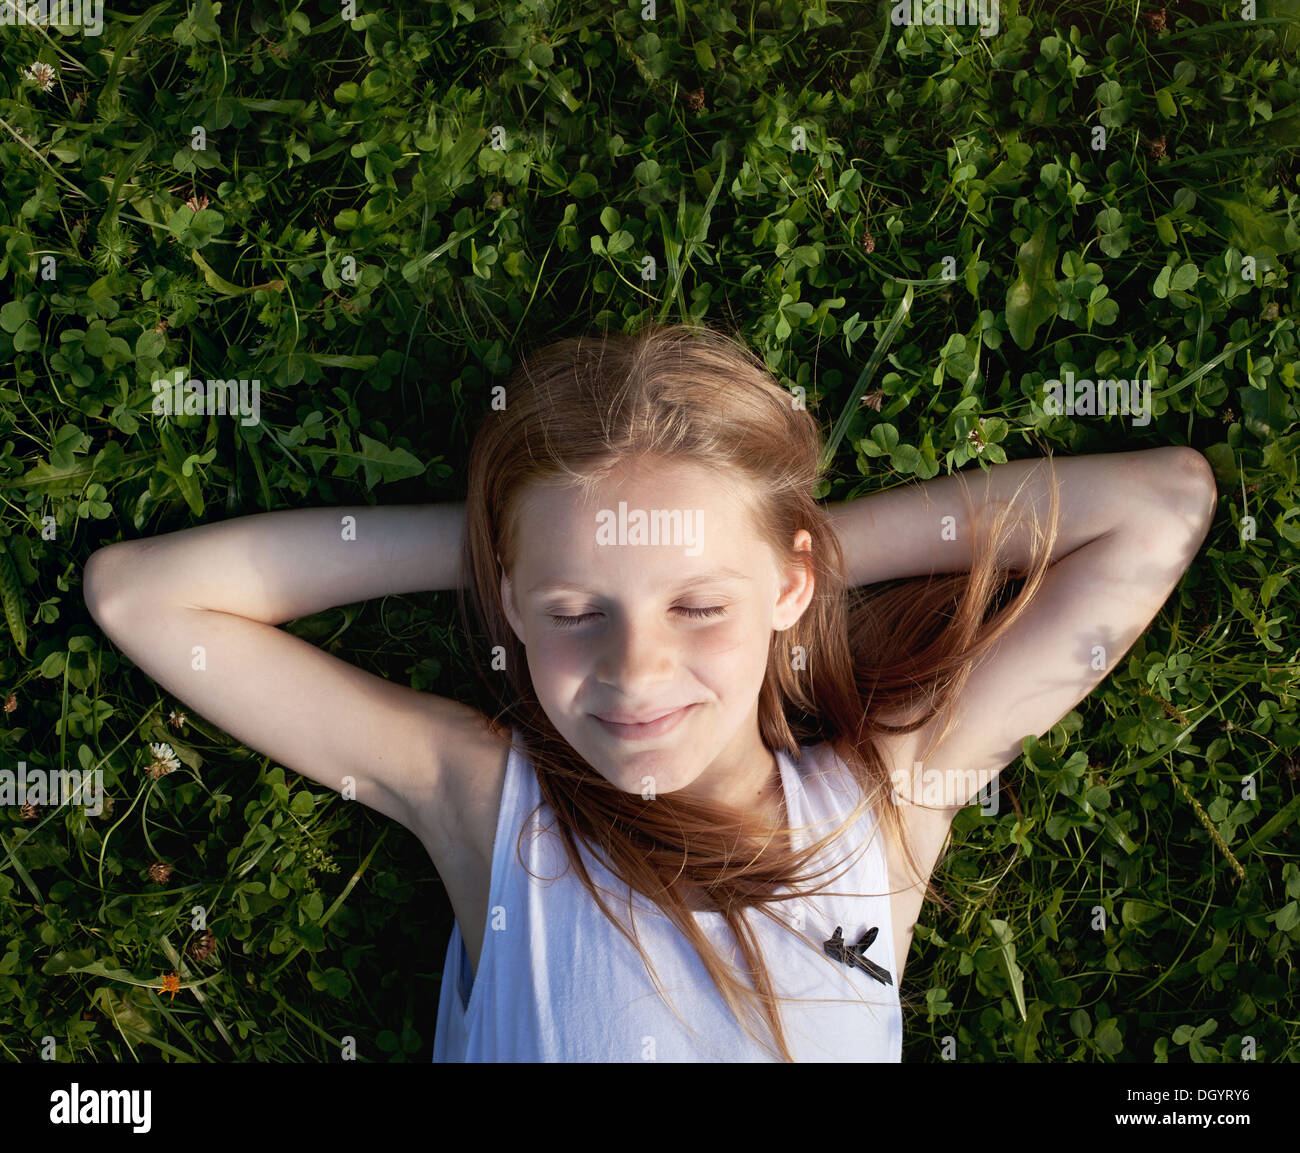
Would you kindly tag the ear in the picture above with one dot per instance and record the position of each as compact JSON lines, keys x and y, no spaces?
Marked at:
{"x":798,"y":587}
{"x":508,"y":602}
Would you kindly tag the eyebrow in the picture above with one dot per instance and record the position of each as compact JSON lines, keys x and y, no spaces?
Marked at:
{"x":714,"y":577}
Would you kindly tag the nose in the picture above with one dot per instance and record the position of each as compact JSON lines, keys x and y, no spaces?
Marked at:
{"x":636,"y":656}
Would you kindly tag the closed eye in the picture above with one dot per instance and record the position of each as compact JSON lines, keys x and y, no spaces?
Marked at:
{"x":571,"y":622}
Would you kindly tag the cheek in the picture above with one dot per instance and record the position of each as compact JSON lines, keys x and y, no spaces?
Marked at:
{"x":553,"y":661}
{"x":735,"y":647}
{"x":732,"y":661}
{"x":735,"y":639}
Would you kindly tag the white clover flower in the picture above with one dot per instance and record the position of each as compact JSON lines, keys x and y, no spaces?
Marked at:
{"x":164,"y":760}
{"x":40,"y":74}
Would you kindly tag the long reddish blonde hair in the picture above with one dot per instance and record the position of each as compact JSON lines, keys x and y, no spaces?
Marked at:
{"x":895,"y":652}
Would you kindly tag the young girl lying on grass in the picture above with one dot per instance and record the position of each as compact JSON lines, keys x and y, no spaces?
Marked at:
{"x":702,"y":823}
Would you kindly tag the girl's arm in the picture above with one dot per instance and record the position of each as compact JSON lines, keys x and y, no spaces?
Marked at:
{"x":197,"y":609}
{"x":277,"y":566}
{"x":900,"y":532}
{"x":1130,"y":525}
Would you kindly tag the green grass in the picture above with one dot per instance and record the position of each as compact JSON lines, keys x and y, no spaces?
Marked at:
{"x":802,"y":170}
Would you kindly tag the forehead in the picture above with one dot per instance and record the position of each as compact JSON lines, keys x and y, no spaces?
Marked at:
{"x":702,"y":523}
{"x":645,"y":479}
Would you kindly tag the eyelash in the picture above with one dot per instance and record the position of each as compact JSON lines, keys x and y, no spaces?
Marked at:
{"x":572,"y":622}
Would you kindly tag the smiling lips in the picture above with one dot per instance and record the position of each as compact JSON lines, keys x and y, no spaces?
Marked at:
{"x":655,"y":726}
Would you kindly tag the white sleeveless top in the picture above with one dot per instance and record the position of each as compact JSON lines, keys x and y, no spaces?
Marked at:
{"x":557,"y":981}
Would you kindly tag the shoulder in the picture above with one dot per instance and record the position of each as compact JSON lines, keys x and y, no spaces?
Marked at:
{"x":829,"y":771}
{"x":925,"y":828}
{"x":460,"y":819}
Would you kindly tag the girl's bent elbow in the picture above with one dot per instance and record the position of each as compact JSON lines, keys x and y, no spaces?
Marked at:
{"x":102,"y":580}
{"x":1201,"y":481}
{"x":1182,"y":482}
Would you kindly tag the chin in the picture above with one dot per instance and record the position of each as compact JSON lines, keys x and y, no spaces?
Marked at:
{"x":662,"y":783}
{"x":665,"y":777}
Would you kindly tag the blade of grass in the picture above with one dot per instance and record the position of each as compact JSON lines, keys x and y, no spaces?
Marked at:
{"x":338,"y":901}
{"x":142,"y":23}
{"x":877,"y":355}
{"x":183,"y":970}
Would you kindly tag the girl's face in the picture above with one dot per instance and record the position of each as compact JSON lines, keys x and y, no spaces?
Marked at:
{"x":625,"y":632}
